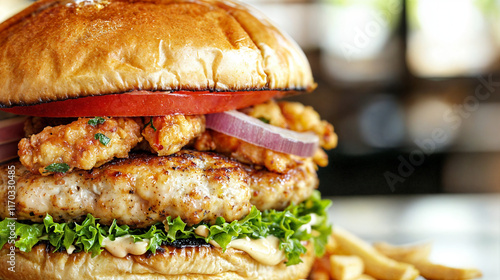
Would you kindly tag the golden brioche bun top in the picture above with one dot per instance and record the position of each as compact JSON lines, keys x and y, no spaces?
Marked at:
{"x":60,"y":49}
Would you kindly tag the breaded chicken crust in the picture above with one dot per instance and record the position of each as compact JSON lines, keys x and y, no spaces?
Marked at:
{"x":145,"y":189}
{"x":168,"y":134}
{"x":77,"y":144}
{"x":246,"y":152}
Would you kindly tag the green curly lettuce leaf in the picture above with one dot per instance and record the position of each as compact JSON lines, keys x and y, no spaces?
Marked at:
{"x":29,"y":236}
{"x":297,"y":223}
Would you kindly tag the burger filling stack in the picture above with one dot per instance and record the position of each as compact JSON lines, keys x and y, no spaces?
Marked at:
{"x":158,"y":145}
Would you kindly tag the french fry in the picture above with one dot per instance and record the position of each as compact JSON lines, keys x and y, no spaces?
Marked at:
{"x":364,"y":277}
{"x":376,"y":264}
{"x":346,"y":253}
{"x":434,"y":271}
{"x":417,"y":255}
{"x":411,"y":252}
{"x":346,"y":267}
{"x":331,"y":246}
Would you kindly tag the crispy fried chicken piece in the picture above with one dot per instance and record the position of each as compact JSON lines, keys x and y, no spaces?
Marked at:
{"x":168,"y":134}
{"x":304,"y":118}
{"x":80,"y":144}
{"x":246,"y":152}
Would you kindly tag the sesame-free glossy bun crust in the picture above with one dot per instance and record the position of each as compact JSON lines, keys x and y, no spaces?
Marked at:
{"x":195,"y":263}
{"x":60,"y":49}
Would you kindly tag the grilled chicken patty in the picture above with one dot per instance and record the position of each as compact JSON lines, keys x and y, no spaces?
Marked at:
{"x":272,"y":190}
{"x":145,"y":189}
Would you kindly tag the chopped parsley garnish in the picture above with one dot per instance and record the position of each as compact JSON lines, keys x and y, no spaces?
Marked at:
{"x":150,"y":124}
{"x":102,"y":138}
{"x":97,"y":120}
{"x":264,"y":120}
{"x":57,"y":168}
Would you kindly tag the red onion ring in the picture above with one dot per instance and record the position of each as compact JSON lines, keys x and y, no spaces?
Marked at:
{"x":254,"y":131}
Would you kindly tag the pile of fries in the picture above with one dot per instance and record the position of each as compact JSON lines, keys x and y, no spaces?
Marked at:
{"x":349,"y":257}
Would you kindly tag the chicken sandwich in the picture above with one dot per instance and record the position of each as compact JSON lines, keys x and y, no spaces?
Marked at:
{"x":157,"y":144}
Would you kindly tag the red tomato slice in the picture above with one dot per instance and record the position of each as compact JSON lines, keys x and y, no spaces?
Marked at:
{"x":144,"y":103}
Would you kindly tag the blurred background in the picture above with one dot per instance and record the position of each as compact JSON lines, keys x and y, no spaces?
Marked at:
{"x":411,"y":87}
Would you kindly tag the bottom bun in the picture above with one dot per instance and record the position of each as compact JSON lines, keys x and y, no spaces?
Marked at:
{"x":203,"y":262}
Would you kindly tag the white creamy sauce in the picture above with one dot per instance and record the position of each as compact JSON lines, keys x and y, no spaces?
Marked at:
{"x":70,"y":249}
{"x":202,"y":231}
{"x":308,"y":227}
{"x":264,"y":250}
{"x":124,"y":245}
